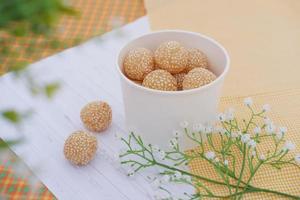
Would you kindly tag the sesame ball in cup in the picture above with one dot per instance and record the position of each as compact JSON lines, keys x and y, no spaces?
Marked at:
{"x":155,"y":114}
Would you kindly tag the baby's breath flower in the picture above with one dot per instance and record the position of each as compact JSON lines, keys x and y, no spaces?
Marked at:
{"x":245,"y":138}
{"x":219,"y":129}
{"x":177,"y":133}
{"x":115,"y":159}
{"x":210,"y":155}
{"x":270,"y":129}
{"x":289,"y":146}
{"x":173,"y":142}
{"x":161,"y":155}
{"x":229,"y":117}
{"x":130,"y":172}
{"x":262,"y":157}
{"x":297,"y":158}
{"x":171,"y":173}
{"x":279,"y":135}
{"x":229,"y":114}
{"x":235,"y":134}
{"x":251,"y":143}
{"x":267,"y":121}
{"x":198,"y":127}
{"x":177,"y":175}
{"x":184,"y":124}
{"x":155,"y":148}
{"x":226,"y":162}
{"x":222,"y":117}
{"x":188,"y":178}
{"x":282,"y":129}
{"x":118,"y":135}
{"x":257,"y":130}
{"x":248,"y":101}
{"x":266,"y":108}
{"x":208,"y":129}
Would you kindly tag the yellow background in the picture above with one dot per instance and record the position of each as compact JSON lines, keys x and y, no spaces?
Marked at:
{"x":263,"y":40}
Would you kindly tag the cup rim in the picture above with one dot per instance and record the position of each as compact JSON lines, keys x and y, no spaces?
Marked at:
{"x":181,"y":92}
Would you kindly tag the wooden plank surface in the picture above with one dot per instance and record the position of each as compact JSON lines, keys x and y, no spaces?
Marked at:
{"x":87,"y":73}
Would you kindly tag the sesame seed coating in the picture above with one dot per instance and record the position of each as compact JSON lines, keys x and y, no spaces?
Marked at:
{"x":80,"y":148}
{"x":96,"y":116}
{"x":138,"y":63}
{"x":171,"y":56}
{"x":160,"y":80}
{"x":197,"y":77}
{"x":179,"y":78}
{"x":196,"y":59}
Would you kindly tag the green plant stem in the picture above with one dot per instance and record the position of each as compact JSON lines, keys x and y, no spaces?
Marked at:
{"x":194,"y":175}
{"x":247,"y":188}
{"x":256,"y":189}
{"x":242,"y":170}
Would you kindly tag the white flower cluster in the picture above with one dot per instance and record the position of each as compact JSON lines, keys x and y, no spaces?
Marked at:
{"x":227,"y":115}
{"x":198,"y":127}
{"x":177,"y":133}
{"x":266,"y":108}
{"x":248,"y":101}
{"x":184,"y":124}
{"x":289,"y":146}
{"x":210,"y":155}
{"x":226,"y":162}
{"x":236,"y":134}
{"x":173,"y":143}
{"x":257,"y":130}
{"x":158,"y":153}
{"x":162,"y":181}
{"x":262,"y":157}
{"x":229,"y":131}
{"x":245,"y":138}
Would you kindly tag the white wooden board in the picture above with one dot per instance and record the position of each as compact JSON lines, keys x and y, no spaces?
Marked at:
{"x":86,"y":72}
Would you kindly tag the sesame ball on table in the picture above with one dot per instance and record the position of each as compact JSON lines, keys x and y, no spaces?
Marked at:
{"x":196,"y":59}
{"x":138,"y":63}
{"x":96,"y":116}
{"x":80,"y":148}
{"x":197,"y":77}
{"x":160,"y":80}
{"x":171,"y":56}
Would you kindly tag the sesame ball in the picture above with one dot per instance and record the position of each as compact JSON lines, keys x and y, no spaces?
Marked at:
{"x":137,"y":82}
{"x":197,"y":77}
{"x":80,"y":148}
{"x":171,"y":56}
{"x":138,"y":63}
{"x":196,"y":59}
{"x":160,"y":80}
{"x":96,"y":116}
{"x":179,"y":78}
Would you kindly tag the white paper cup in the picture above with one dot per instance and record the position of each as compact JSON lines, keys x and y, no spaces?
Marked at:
{"x":154,"y":114}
